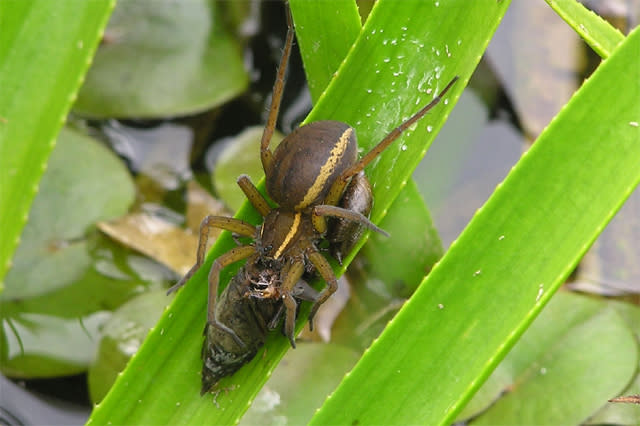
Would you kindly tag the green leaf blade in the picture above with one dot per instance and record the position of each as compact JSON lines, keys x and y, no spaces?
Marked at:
{"x":182,"y":60}
{"x":325,"y":44}
{"x":598,"y":33}
{"x":46,"y":50}
{"x":508,"y":262}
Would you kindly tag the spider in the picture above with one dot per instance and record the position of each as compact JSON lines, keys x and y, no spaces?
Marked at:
{"x":314,"y":173}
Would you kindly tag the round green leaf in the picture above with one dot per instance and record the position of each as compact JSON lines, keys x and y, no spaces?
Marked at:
{"x":543,"y":378}
{"x":56,"y":291}
{"x":84,"y":183}
{"x":122,"y":335}
{"x":34,"y":345}
{"x":161,"y":58}
{"x":238,"y":156}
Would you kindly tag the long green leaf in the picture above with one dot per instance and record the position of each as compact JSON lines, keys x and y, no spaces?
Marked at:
{"x":598,"y":33}
{"x":325,"y":44}
{"x":507,"y":263}
{"x":406,"y":53}
{"x":324,"y":40}
{"x":45,"y":50}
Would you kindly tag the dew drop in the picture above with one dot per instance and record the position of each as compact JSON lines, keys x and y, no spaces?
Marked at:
{"x":540,"y":292}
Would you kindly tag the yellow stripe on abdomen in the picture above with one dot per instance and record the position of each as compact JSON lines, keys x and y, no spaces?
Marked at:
{"x":327,"y":169}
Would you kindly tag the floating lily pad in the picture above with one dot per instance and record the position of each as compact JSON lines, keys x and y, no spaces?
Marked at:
{"x":121,"y":337}
{"x":84,"y":183}
{"x":623,"y":413}
{"x":538,"y":383}
{"x":161,"y":58}
{"x":58,"y":290}
{"x":45,"y":346}
{"x":240,"y":155}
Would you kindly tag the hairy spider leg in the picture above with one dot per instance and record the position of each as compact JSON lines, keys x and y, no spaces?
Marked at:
{"x":232,"y":256}
{"x":323,"y":267}
{"x":266,"y":156}
{"x":253,"y":195}
{"x":292,"y":273}
{"x":230,"y":224}
{"x":335,"y":193}
{"x":323,"y":210}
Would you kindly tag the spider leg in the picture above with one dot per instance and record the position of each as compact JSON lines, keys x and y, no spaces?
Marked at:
{"x":335,"y":211}
{"x":253,"y":195}
{"x":266,"y":155}
{"x":230,"y":224}
{"x":327,"y":274}
{"x":233,"y":255}
{"x":291,"y":274}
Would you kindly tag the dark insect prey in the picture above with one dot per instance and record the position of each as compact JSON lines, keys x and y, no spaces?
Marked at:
{"x":249,"y":317}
